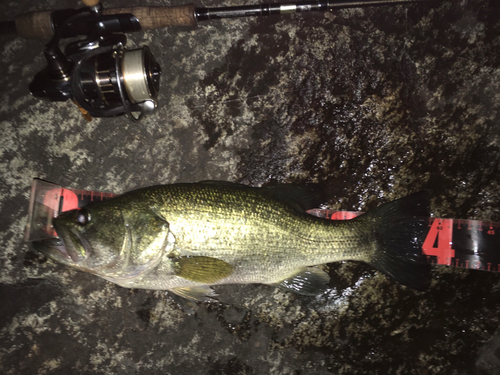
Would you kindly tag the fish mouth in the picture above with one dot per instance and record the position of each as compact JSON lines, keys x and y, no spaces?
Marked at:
{"x":53,"y":248}
{"x":63,"y":248}
{"x":79,"y":243}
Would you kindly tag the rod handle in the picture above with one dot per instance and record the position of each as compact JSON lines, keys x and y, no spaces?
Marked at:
{"x":158,"y":17}
{"x":38,"y":25}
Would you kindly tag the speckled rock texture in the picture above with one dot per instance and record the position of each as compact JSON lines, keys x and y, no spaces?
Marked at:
{"x":372,"y":104}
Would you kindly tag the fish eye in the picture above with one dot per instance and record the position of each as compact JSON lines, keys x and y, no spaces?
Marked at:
{"x":82,"y":217}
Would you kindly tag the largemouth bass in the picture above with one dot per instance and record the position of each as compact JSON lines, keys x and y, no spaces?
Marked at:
{"x":185,"y":238}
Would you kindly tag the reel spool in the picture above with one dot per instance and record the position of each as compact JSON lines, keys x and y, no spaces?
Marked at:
{"x":112,"y":81}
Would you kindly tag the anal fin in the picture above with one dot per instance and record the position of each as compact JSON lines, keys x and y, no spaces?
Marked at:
{"x":196,"y":293}
{"x":310,"y":281}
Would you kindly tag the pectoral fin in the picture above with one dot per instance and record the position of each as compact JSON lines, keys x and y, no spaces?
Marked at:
{"x":196,"y":293}
{"x":309,"y":282}
{"x":202,"y":269}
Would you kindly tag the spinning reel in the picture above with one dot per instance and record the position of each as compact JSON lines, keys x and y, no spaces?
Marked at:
{"x":98,"y":73}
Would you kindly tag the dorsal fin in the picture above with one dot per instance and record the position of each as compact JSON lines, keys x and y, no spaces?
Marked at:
{"x":224,"y":183}
{"x":300,"y":197}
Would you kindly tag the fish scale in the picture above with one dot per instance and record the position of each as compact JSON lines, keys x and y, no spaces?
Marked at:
{"x":280,"y":230}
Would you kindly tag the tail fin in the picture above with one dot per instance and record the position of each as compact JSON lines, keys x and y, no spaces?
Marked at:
{"x":399,"y":229}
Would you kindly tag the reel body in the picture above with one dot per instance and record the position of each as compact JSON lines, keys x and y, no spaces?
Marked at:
{"x":98,"y":73}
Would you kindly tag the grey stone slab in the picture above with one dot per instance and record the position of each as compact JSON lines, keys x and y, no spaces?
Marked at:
{"x":373,"y":104}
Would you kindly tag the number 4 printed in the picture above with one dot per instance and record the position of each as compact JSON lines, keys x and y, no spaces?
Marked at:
{"x":442,"y":230}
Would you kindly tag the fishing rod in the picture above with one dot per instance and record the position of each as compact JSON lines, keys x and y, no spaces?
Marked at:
{"x":101,"y":76}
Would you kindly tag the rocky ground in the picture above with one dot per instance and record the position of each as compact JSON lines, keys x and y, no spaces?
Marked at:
{"x":372,"y":104}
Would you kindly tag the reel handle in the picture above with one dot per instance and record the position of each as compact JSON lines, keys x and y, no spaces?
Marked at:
{"x":38,"y":25}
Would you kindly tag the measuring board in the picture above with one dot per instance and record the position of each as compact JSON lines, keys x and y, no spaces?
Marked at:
{"x":48,"y":200}
{"x":471,"y":244}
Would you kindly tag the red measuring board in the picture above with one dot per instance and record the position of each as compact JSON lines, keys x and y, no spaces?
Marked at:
{"x":461,"y":243}
{"x":48,"y":200}
{"x":76,"y":198}
{"x":469,"y":244}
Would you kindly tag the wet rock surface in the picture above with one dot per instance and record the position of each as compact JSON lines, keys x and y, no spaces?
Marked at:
{"x":372,"y":104}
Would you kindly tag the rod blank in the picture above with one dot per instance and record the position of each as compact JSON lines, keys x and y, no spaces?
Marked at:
{"x":267,"y":9}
